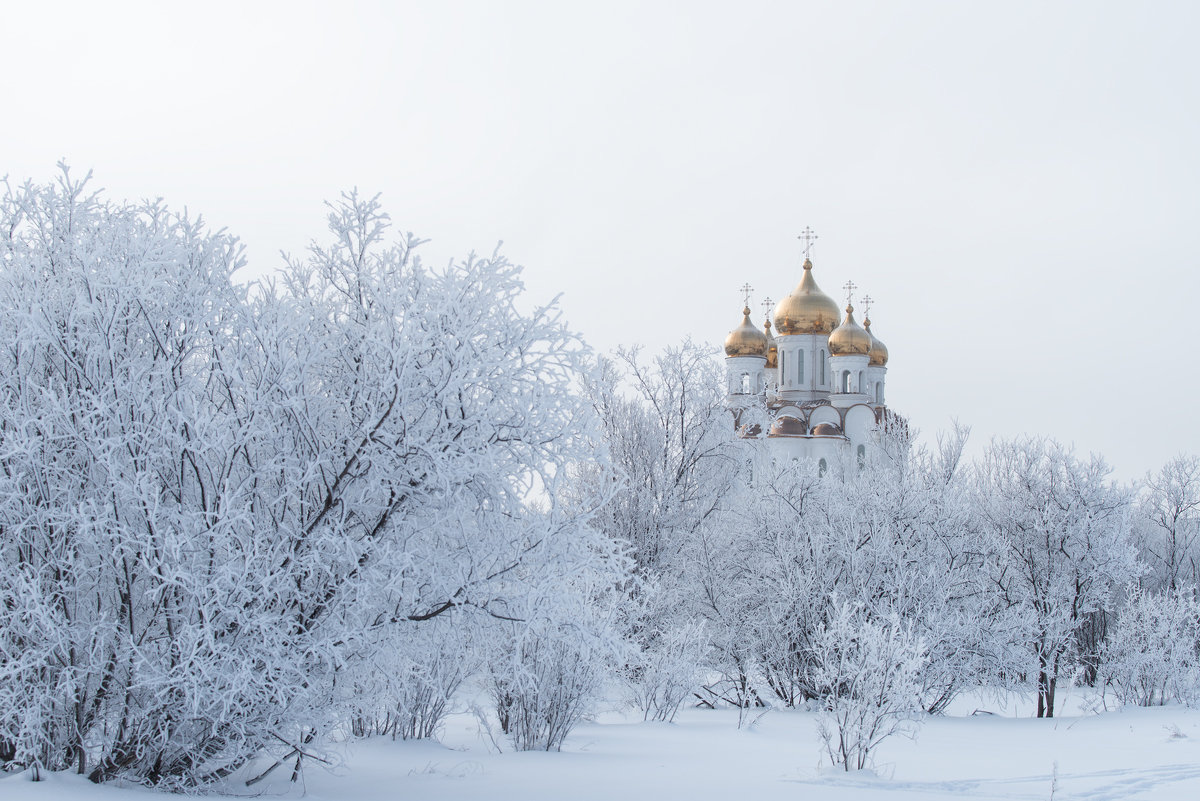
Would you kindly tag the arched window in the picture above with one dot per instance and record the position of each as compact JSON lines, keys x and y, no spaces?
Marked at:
{"x":822,"y":368}
{"x":782,"y":369}
{"x":822,"y":467}
{"x":845,"y":381}
{"x":800,"y":367}
{"x":859,"y":387}
{"x":745,"y":383}
{"x":862,"y":456}
{"x":879,"y":392}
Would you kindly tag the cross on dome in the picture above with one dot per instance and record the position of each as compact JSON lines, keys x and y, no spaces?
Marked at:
{"x":866,"y":303}
{"x":808,"y":237}
{"x":746,"y":290}
{"x":849,"y":286}
{"x":767,"y":305}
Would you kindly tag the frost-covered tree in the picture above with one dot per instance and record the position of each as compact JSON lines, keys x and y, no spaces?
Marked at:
{"x":1058,"y":536}
{"x":676,"y":462}
{"x":1169,"y":511}
{"x":214,"y":498}
{"x":670,"y":440}
{"x":889,"y":535}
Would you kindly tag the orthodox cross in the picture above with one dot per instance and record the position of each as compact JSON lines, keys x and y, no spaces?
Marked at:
{"x":849,"y":286}
{"x":808,"y":237}
{"x":746,"y":290}
{"x":767,"y":304}
{"x":866,"y":303}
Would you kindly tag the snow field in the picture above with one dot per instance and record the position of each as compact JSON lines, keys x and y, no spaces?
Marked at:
{"x":1132,"y":753}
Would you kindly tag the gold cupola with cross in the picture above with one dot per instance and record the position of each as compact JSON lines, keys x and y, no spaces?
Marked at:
{"x":849,"y":338}
{"x":772,"y":345}
{"x":878,"y":353}
{"x":807,"y":310}
{"x":746,"y":339}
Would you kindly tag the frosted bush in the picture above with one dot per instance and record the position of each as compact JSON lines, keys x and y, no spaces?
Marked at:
{"x":1153,"y":655}
{"x":667,"y":669}
{"x":870,"y":671}
{"x":406,"y":688}
{"x":547,"y":683}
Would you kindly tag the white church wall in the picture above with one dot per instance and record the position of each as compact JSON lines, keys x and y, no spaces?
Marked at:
{"x":825,"y":414}
{"x":860,"y":423}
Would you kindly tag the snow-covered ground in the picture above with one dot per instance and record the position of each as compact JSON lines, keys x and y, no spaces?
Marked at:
{"x":1126,"y":754}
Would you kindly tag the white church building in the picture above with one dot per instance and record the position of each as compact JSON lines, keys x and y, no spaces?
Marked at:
{"x":815,"y":389}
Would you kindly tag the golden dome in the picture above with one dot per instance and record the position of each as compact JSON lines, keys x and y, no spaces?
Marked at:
{"x":849,"y":338}
{"x":772,"y":348}
{"x":786,"y":426}
{"x":807,"y":310}
{"x":878,"y":353}
{"x":746,"y":339}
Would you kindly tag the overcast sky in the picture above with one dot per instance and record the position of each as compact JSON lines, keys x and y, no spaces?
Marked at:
{"x":1017,"y":185}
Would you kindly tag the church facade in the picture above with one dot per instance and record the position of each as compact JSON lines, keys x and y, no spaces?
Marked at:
{"x":815,"y":387}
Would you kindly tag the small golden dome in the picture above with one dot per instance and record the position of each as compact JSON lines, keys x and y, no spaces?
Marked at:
{"x":746,"y":339}
{"x":786,"y":426}
{"x":772,"y":347}
{"x":807,"y":310}
{"x":878,"y":353}
{"x":849,"y":338}
{"x":826,"y":430}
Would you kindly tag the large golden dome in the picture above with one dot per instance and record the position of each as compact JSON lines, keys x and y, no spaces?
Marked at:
{"x":746,"y":339}
{"x":807,"y":310}
{"x":878,"y":353}
{"x":849,"y":338}
{"x":772,"y":347}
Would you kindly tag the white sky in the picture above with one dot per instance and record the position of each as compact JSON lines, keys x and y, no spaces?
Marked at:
{"x":1017,"y":185}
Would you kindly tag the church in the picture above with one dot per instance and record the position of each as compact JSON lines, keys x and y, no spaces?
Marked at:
{"x":813,"y":389}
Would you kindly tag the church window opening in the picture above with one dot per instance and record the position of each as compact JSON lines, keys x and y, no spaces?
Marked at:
{"x":845,"y":381}
{"x":745,"y":383}
{"x":879,"y":393}
{"x":822,"y":466}
{"x":799,"y":367}
{"x":862,"y":456}
{"x":822,"y":368}
{"x":860,"y":381}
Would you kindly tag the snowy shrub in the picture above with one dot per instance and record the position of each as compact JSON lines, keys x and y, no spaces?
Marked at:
{"x":550,"y":686}
{"x":667,"y":668}
{"x":547,"y":672}
{"x":405,"y":689}
{"x":870,"y":672}
{"x":212,"y":496}
{"x":546,"y":685}
{"x":1153,"y":655}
